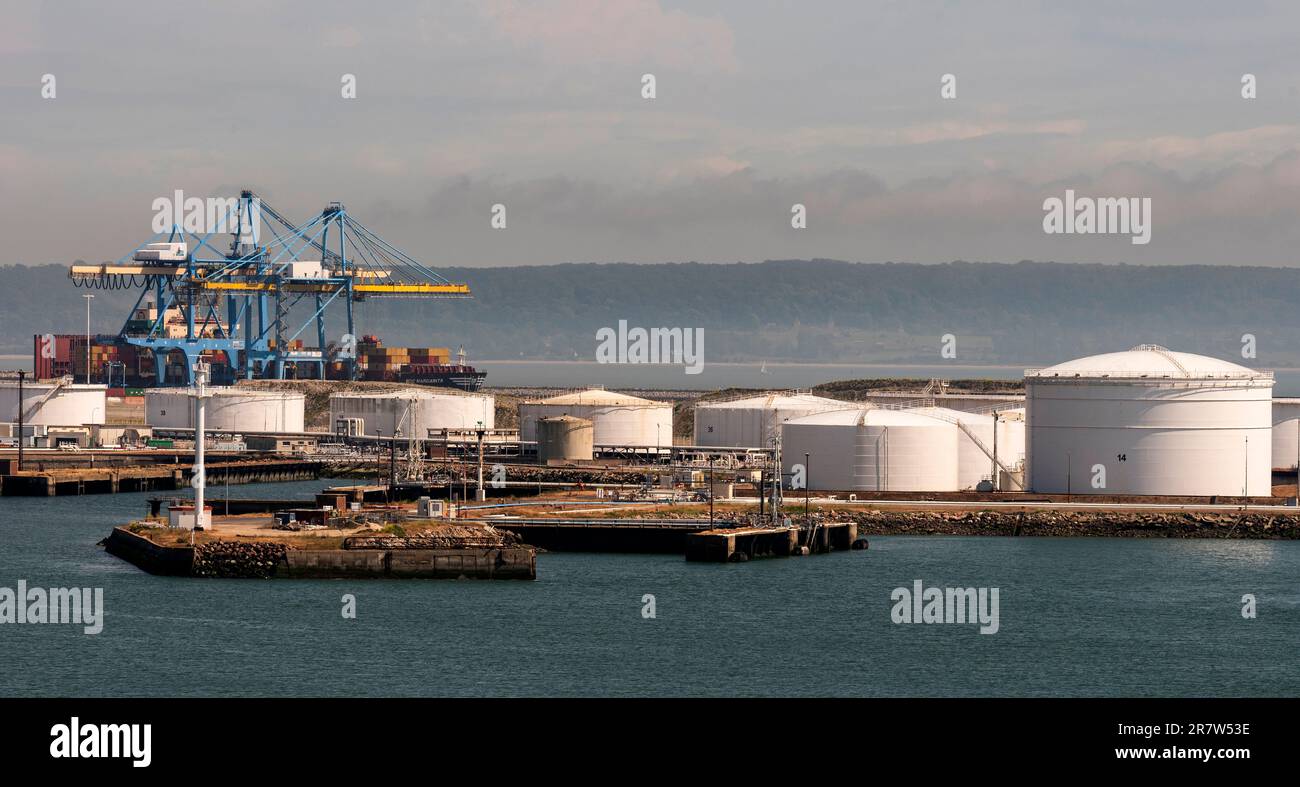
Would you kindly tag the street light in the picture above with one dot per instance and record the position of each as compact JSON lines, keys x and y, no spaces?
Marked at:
{"x":88,"y":298}
{"x":480,"y":493}
{"x":711,"y":491}
{"x":807,"y":518}
{"x":21,"y":376}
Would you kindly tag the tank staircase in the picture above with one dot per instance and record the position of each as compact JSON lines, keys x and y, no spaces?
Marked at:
{"x":36,"y":406}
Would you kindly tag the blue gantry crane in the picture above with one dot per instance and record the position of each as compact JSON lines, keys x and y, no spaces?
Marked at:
{"x":186,"y":282}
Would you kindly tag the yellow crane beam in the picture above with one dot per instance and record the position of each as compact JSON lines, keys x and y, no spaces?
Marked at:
{"x":91,"y":271}
{"x":368,"y":289}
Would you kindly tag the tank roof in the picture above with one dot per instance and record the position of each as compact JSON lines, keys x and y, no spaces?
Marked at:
{"x":1150,"y":361}
{"x":865,"y":416}
{"x":228,"y":390}
{"x":599,"y":397}
{"x":776,"y":399}
{"x":407,"y":393}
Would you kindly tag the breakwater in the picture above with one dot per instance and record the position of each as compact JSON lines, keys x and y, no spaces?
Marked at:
{"x":398,"y":558}
{"x":1118,"y":524}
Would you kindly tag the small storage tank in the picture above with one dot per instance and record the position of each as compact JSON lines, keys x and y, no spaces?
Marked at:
{"x":617,"y":419}
{"x":873,"y":450}
{"x":414,"y":410}
{"x":1153,"y":422}
{"x":976,"y":444}
{"x":54,"y":403}
{"x":564,"y":438}
{"x":1012,"y":434}
{"x":229,"y":409}
{"x":754,"y":421}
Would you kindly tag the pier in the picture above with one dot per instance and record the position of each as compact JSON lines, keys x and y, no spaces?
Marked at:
{"x":663,"y":536}
{"x":746,"y":543}
{"x":109,"y":480}
{"x":274,"y":559}
{"x":697,"y":539}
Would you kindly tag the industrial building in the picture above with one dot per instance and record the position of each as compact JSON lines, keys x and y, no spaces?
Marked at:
{"x":984,"y":437}
{"x":617,"y":419}
{"x":232,"y":409}
{"x":1149,"y":421}
{"x":413,"y":411}
{"x":55,"y":402}
{"x":873,"y":450}
{"x":753,"y":422}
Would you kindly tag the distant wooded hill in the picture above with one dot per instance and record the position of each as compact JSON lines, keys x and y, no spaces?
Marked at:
{"x":819,"y":310}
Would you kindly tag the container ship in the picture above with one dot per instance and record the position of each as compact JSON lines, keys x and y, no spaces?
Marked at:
{"x":416,"y":365}
{"x":116,"y":364}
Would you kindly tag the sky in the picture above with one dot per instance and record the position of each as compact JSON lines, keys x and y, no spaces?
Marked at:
{"x":758,"y":107}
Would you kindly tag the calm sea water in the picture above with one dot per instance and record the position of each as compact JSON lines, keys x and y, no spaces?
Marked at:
{"x":1078,"y":617}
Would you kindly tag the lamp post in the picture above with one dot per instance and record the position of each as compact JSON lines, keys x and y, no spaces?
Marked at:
{"x":392,"y":463}
{"x":200,"y":478}
{"x":480,"y":493}
{"x":21,"y":376}
{"x":379,"y":458}
{"x":1245,"y":490}
{"x":807,"y":518}
{"x":710,"y":491}
{"x":88,"y":298}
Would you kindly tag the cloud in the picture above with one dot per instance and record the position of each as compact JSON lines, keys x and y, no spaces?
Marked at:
{"x":1246,"y":214}
{"x":634,"y":33}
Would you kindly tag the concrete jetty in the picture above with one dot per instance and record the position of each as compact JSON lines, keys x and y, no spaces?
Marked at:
{"x":271,"y":560}
{"x":746,"y":543}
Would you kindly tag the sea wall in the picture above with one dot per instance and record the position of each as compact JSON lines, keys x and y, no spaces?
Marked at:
{"x":269,"y":560}
{"x":149,"y":556}
{"x":1122,"y":524}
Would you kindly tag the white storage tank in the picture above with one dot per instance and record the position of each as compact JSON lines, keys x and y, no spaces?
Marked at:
{"x":976,"y":444}
{"x":563,"y":438}
{"x":230,"y":409}
{"x":414,"y":410}
{"x":1152,"y":422}
{"x":872,"y":450}
{"x":1286,"y":416}
{"x":1286,"y":440}
{"x":54,"y":403}
{"x":754,"y":421}
{"x":1012,"y":434}
{"x":617,"y":419}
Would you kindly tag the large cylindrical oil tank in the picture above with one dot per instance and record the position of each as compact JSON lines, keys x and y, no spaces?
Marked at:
{"x":754,"y":421}
{"x":564,"y":438}
{"x":617,"y":419}
{"x":54,"y":403}
{"x":1149,"y":421}
{"x":977,"y":445}
{"x":1286,"y":416}
{"x":873,"y":450}
{"x":229,"y":409}
{"x":414,"y":411}
{"x":1286,"y":443}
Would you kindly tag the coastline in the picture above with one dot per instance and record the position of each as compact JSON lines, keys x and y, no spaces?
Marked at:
{"x":1087,"y":524}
